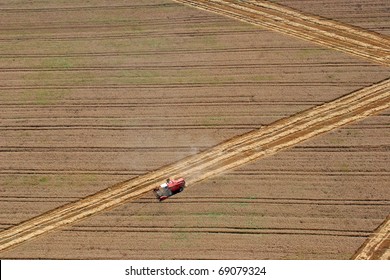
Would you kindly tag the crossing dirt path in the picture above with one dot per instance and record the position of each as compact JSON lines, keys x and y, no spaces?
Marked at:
{"x":340,"y":36}
{"x":230,"y":154}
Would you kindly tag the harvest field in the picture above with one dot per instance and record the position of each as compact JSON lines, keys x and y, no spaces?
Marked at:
{"x":370,"y":15}
{"x":94,"y":94}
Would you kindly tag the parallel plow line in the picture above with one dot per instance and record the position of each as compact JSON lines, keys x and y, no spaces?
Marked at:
{"x":122,"y":35}
{"x":199,"y":65}
{"x":224,"y":230}
{"x":140,"y":172}
{"x":79,"y":8}
{"x":222,"y":200}
{"x":225,"y":156}
{"x":336,"y":35}
{"x":90,"y":24}
{"x":182,"y":85}
{"x":377,"y":245}
{"x":155,"y":52}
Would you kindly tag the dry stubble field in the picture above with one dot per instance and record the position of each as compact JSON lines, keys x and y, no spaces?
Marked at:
{"x":370,"y":15}
{"x":94,"y":94}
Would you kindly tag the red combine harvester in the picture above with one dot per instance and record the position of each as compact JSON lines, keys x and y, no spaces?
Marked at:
{"x":171,"y":187}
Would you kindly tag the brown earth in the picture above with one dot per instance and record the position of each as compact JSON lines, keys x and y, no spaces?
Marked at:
{"x":80,"y":113}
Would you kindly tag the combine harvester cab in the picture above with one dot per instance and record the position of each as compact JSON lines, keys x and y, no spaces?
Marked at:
{"x":171,"y":187}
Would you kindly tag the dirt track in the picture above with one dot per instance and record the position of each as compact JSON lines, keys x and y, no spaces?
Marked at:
{"x":333,"y":34}
{"x":228,"y":155}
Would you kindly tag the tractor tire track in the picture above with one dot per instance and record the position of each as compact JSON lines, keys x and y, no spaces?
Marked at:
{"x":225,"y":156}
{"x":71,"y":149}
{"x":140,"y":172}
{"x":226,"y":230}
{"x":156,"y":52}
{"x":377,"y":246}
{"x":87,"y":8}
{"x":181,"y":85}
{"x":221,"y":200}
{"x":92,"y":36}
{"x":78,"y":25}
{"x":199,"y":65}
{"x":336,"y":35}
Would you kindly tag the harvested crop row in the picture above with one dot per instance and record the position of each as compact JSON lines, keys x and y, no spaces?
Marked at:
{"x":350,"y":39}
{"x":230,"y":154}
{"x":377,"y":245}
{"x":352,"y":12}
